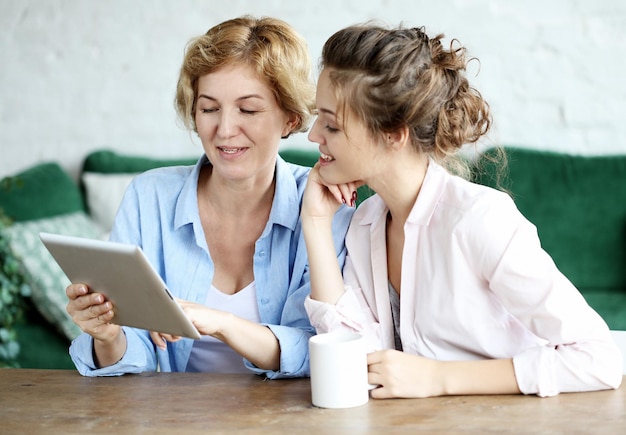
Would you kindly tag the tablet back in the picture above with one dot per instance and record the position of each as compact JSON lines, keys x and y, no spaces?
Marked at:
{"x":121,"y":272}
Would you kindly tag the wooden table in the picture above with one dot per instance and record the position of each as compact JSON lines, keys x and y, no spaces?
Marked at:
{"x":62,"y":401}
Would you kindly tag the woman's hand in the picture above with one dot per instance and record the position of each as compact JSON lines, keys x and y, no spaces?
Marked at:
{"x":253,"y":341}
{"x":321,"y":200}
{"x":92,"y":312}
{"x":161,"y":339}
{"x":400,"y":374}
{"x":207,"y":320}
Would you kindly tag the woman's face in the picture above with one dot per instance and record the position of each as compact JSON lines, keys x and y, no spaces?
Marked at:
{"x":348,"y":152}
{"x":240,"y":123}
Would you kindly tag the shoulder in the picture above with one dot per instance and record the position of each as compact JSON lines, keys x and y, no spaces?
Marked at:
{"x":162,"y":176}
{"x":161,"y":185}
{"x":477,"y":201}
{"x":483,"y":220}
{"x":446,"y":195}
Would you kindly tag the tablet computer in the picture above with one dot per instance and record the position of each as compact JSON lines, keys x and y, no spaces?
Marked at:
{"x":123,"y":273}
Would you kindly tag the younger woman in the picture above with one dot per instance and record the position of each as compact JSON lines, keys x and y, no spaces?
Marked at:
{"x":445,"y":278}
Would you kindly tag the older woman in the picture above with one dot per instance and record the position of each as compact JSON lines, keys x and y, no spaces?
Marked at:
{"x":224,"y":234}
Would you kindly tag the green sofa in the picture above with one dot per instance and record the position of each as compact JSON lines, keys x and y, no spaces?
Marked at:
{"x":47,"y":198}
{"x":577,"y":203}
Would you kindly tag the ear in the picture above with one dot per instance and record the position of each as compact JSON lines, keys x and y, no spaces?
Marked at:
{"x":292,"y":121}
{"x":397,"y":140}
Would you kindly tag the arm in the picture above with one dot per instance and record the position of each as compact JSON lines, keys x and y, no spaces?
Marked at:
{"x":574,"y":351}
{"x":319,"y":205}
{"x":410,"y":376}
{"x":253,"y":341}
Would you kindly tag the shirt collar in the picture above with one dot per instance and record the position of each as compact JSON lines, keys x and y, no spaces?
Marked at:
{"x":285,"y":206}
{"x":187,"y":203}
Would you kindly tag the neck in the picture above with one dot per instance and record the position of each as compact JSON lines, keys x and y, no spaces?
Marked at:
{"x":400,"y":185}
{"x":237,"y":198}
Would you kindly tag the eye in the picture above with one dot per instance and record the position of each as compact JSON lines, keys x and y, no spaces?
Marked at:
{"x":331,"y":129}
{"x":208,"y":109}
{"x":248,"y":112}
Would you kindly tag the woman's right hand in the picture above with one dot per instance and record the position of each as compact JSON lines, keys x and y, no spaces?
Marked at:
{"x":92,"y":312}
{"x":322,"y":200}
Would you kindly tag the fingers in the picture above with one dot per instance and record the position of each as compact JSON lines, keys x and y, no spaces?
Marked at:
{"x":160,"y":339}
{"x":84,"y":305}
{"x":380,"y":393}
{"x":92,"y":312}
{"x":345,"y":193}
{"x":169,"y":337}
{"x":75,"y":290}
{"x":374,"y":357}
{"x":89,"y":306}
{"x":349,"y":192}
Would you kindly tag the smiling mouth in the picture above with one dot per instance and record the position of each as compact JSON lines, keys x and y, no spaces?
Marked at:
{"x":326,"y":157}
{"x":230,"y":150}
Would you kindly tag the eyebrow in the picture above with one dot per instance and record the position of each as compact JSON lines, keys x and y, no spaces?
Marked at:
{"x":242,"y":98}
{"x":327,"y":112}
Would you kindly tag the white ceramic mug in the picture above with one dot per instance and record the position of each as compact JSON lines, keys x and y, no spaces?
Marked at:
{"x":338,"y":370}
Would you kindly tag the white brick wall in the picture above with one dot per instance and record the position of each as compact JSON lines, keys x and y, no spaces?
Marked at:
{"x":77,"y":75}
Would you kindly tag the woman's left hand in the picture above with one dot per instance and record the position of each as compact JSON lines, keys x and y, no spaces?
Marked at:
{"x":400,"y":374}
{"x":207,"y":320}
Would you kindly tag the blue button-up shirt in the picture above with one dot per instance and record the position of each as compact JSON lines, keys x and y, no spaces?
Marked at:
{"x":159,"y":213}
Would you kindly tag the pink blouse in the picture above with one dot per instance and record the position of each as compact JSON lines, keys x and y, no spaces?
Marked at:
{"x":475,"y":284}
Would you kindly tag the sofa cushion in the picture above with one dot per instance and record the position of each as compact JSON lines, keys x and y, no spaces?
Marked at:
{"x":103,"y":194}
{"x":610,"y":304}
{"x":39,"y":192}
{"x":578,"y":204}
{"x":105,"y":176}
{"x":45,"y":277}
{"x":111,"y":162}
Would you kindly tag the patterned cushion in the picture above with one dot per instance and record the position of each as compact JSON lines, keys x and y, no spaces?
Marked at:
{"x":47,"y":280}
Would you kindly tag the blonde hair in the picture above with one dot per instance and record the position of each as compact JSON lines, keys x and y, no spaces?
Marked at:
{"x":270,"y":46}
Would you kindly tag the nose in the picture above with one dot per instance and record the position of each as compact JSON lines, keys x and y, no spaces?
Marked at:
{"x":227,"y":124}
{"x":314,"y":135}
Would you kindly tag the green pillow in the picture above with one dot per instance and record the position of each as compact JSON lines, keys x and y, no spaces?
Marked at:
{"x":110,"y":162}
{"x":45,"y":277}
{"x":39,"y":192}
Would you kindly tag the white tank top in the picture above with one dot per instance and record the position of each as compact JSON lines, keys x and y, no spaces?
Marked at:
{"x":212,"y":355}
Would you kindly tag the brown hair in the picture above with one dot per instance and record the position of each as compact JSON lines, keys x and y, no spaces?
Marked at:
{"x":391,"y":78}
{"x":274,"y":49}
